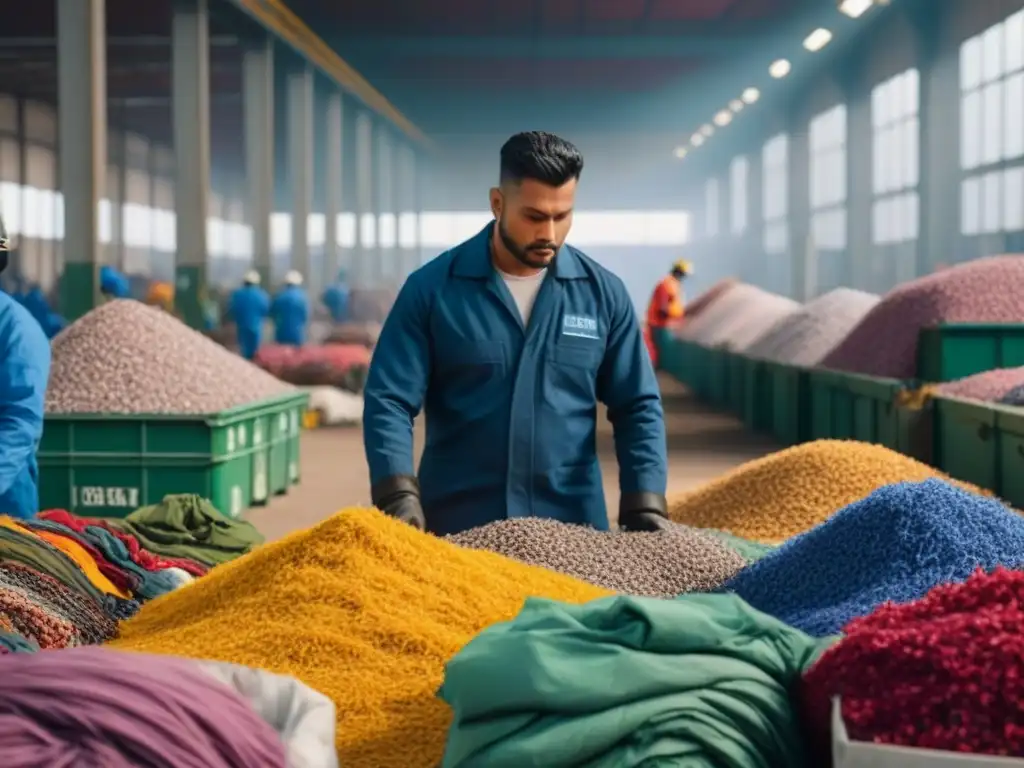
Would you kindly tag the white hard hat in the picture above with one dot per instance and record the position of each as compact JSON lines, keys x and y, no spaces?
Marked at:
{"x":293,"y":278}
{"x":252,"y":277}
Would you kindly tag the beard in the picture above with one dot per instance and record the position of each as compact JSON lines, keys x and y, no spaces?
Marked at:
{"x":527,"y":255}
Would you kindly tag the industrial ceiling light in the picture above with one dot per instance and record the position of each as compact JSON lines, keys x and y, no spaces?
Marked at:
{"x":736,"y":105}
{"x":750,"y":95}
{"x":680,"y":152}
{"x":697,"y":139}
{"x":706,"y":130}
{"x":779,"y":68}
{"x":723,"y":118}
{"x":817,"y":40}
{"x":855,"y":8}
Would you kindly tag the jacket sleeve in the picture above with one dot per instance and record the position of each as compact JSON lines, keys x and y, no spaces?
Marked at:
{"x":23,"y":375}
{"x":397,"y":384}
{"x":627,"y":385}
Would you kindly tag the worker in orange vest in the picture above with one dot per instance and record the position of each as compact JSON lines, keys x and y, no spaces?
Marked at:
{"x":666,"y":308}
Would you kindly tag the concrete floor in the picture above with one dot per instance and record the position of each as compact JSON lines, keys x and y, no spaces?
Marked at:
{"x":701,"y":446}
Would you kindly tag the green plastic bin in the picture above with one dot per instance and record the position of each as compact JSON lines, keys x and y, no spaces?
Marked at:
{"x":983,"y":444}
{"x":736,"y":383}
{"x":718,"y":370}
{"x":285,"y":443}
{"x":101,"y":465}
{"x":790,"y":410}
{"x":758,"y":396}
{"x":846,"y":406}
{"x":952,"y":351}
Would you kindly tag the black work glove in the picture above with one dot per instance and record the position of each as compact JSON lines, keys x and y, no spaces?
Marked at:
{"x":643,"y":511}
{"x":399,"y":497}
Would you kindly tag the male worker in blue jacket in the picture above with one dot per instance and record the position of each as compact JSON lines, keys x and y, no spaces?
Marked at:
{"x":248,"y":308}
{"x":290,"y":310}
{"x":335,"y":298}
{"x":24,"y":371}
{"x":508,"y":341}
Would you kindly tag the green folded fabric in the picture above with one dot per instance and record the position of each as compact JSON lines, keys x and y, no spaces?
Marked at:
{"x":701,"y":681}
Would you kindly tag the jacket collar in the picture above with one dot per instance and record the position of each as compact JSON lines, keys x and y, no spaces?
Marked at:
{"x":472,"y":259}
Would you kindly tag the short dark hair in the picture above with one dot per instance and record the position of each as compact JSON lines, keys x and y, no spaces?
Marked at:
{"x":542,"y":157}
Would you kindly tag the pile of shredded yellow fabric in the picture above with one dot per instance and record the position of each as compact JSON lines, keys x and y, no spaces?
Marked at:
{"x":791,"y":491}
{"x":362,"y":608}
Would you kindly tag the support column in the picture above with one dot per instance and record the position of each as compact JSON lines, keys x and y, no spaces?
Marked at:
{"x":405,"y":205}
{"x":190,"y":100}
{"x":82,"y":129}
{"x":867,"y":266}
{"x":301,"y":143}
{"x":939,"y":240}
{"x":801,"y":245}
{"x":364,"y":266}
{"x":258,"y":106}
{"x":388,"y":271}
{"x":332,"y":188}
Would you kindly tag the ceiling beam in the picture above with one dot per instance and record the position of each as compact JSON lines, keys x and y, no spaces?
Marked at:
{"x":547,"y":47}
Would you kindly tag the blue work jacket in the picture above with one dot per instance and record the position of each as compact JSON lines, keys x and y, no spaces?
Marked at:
{"x":511,"y":411}
{"x":290,"y":310}
{"x":24,"y":372}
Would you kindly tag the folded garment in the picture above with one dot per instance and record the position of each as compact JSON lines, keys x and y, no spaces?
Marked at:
{"x":142,"y":557}
{"x":189,"y":526}
{"x":302,"y":717}
{"x":623,"y":682}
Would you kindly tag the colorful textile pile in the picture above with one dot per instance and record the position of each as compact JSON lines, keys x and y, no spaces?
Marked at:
{"x":943,"y":673}
{"x":67,"y":581}
{"x":894,"y":545}
{"x":627,"y":681}
{"x":362,"y":608}
{"x":98,"y":707}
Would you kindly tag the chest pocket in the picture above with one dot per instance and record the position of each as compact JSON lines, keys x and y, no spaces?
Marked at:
{"x":571,"y":382}
{"x":468,"y":372}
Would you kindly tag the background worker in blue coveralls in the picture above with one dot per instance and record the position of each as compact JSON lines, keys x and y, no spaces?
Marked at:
{"x":248,"y":308}
{"x":508,"y":341}
{"x":335,"y":298}
{"x":113,"y":285}
{"x":290,"y":311}
{"x":24,"y":372}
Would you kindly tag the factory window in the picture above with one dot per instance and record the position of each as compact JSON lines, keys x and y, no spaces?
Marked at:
{"x":712,"y":208}
{"x":992,"y":129}
{"x":739,"y":172}
{"x":895,"y":105}
{"x":316,"y":230}
{"x":774,"y":193}
{"x":346,"y":234}
{"x":165,"y":234}
{"x":828,"y":178}
{"x":408,"y":225}
{"x":442,"y":229}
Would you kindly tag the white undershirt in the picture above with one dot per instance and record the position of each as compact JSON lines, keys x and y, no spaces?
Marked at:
{"x":524,"y":291}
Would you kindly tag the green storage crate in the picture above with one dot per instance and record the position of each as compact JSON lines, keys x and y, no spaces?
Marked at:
{"x":718,"y":377}
{"x":846,"y":406}
{"x":983,"y":444}
{"x":954,"y":350}
{"x":736,"y":383}
{"x":691,"y":367}
{"x":790,"y":409}
{"x":107,"y":465}
{"x":758,"y":395}
{"x":285,"y":441}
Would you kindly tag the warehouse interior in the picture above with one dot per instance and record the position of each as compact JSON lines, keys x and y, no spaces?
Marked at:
{"x":796,"y":434}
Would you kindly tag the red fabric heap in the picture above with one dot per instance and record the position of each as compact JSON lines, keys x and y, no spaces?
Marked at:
{"x":141,"y":557}
{"x":945,"y":672}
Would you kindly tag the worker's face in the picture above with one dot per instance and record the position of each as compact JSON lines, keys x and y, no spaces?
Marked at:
{"x":533,"y":219}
